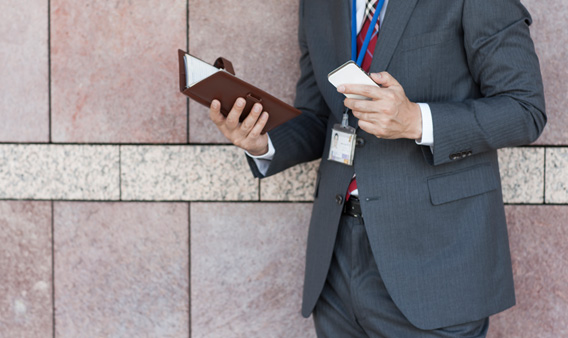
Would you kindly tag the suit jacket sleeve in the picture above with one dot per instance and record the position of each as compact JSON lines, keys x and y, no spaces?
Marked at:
{"x":301,"y":139}
{"x":502,"y":60}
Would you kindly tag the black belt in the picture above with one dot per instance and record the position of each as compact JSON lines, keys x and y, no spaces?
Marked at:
{"x":352,"y":207}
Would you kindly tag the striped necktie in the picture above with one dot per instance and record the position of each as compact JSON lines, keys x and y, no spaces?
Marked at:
{"x":370,"y":7}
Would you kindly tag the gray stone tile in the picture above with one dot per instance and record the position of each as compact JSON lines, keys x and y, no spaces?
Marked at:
{"x":25,"y":264}
{"x":539,"y":250}
{"x":522,"y":174}
{"x":59,"y":172}
{"x":247,"y":268}
{"x":121,"y":269}
{"x":551,"y":41}
{"x":24,"y":106}
{"x":186,"y":173}
{"x":259,"y":37}
{"x":294,"y":184}
{"x":557,"y":175}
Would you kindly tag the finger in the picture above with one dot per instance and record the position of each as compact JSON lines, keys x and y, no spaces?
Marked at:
{"x":251,"y":119}
{"x":259,"y":126}
{"x":384,"y":79}
{"x":366,"y":106}
{"x":369,"y":117}
{"x":369,"y":128}
{"x":215,"y":113}
{"x":232,"y":120}
{"x":372,"y":92}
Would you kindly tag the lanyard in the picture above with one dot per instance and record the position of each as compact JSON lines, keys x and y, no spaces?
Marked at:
{"x":363,"y":51}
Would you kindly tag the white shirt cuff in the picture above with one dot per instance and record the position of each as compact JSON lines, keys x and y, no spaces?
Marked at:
{"x":427,"y":126}
{"x":263,"y":161}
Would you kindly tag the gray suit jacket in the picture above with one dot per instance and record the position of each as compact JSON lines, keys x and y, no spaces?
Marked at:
{"x":435,"y":220}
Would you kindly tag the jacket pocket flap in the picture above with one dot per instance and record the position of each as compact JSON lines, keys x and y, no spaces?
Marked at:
{"x":462,"y":184}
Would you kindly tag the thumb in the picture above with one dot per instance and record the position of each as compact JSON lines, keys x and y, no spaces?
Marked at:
{"x":384,"y":79}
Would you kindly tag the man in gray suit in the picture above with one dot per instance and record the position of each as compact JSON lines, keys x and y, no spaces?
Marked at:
{"x":422,"y":251}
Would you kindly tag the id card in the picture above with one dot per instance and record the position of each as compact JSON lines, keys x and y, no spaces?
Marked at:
{"x":342,"y":148}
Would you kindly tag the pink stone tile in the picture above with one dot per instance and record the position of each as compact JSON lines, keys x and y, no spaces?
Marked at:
{"x":25,"y":269}
{"x":551,"y":41}
{"x":258,"y":37}
{"x":24,"y":107}
{"x":540,"y":264}
{"x":115,"y":72}
{"x":247,"y":268}
{"x":121,"y":269}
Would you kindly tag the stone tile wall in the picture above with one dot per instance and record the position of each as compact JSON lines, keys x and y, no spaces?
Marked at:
{"x":123,"y":212}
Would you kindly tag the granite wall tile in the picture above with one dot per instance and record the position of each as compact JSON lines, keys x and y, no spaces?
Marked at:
{"x":557,"y":175}
{"x":59,"y":172}
{"x":121,"y":269}
{"x":294,"y":184}
{"x":259,"y":37}
{"x":25,"y":265}
{"x":247,"y":267}
{"x":540,"y":265}
{"x":24,"y":106}
{"x":522,"y":174}
{"x":551,"y":41}
{"x":115,"y":71}
{"x":186,"y":173}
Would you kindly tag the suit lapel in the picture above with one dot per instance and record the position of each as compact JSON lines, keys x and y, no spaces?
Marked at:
{"x":341,"y":28}
{"x":397,"y":15}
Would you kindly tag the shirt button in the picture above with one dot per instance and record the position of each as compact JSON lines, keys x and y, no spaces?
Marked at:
{"x":338,"y":199}
{"x":360,"y":142}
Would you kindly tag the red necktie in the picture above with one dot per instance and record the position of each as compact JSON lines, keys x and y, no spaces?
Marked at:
{"x":369,"y":12}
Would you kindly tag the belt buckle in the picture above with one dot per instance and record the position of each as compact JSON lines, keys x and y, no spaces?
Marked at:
{"x":349,"y":208}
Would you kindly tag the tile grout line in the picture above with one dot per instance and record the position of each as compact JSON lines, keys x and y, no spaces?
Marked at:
{"x":49,"y":69}
{"x":189,"y":266}
{"x":187,"y":49}
{"x":120,"y":173}
{"x":544,"y":179}
{"x":98,"y":144}
{"x":188,"y":203}
{"x":214,"y":201}
{"x":53,"y":267}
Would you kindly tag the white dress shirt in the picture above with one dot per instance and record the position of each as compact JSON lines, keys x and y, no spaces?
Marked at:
{"x":263,"y":161}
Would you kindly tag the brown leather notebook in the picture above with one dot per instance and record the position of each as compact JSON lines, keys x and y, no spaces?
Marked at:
{"x":204,"y":83}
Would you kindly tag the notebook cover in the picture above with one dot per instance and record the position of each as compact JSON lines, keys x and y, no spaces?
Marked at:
{"x":226,"y":88}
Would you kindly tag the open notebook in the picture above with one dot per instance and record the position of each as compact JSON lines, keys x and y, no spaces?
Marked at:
{"x":203,"y":83}
{"x":197,"y":70}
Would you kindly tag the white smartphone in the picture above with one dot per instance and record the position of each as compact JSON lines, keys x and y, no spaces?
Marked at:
{"x":350,"y":73}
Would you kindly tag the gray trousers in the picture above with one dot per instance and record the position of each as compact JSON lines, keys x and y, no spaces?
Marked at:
{"x":355,"y":302}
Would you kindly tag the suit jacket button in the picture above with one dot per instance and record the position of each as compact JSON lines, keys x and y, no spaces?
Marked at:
{"x":360,"y":142}
{"x":338,"y":199}
{"x":453,"y":157}
{"x":469,"y":153}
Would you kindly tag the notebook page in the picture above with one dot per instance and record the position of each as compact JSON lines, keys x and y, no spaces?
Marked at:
{"x":197,"y":70}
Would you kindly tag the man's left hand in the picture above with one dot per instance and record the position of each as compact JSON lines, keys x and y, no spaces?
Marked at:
{"x":389,"y":113}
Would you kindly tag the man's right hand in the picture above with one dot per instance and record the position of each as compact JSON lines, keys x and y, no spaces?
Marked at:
{"x":246,"y":135}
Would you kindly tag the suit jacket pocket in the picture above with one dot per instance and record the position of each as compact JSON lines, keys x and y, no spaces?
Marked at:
{"x":461,"y":184}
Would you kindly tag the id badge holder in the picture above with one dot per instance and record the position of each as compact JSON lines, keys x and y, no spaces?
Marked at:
{"x":342,"y":148}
